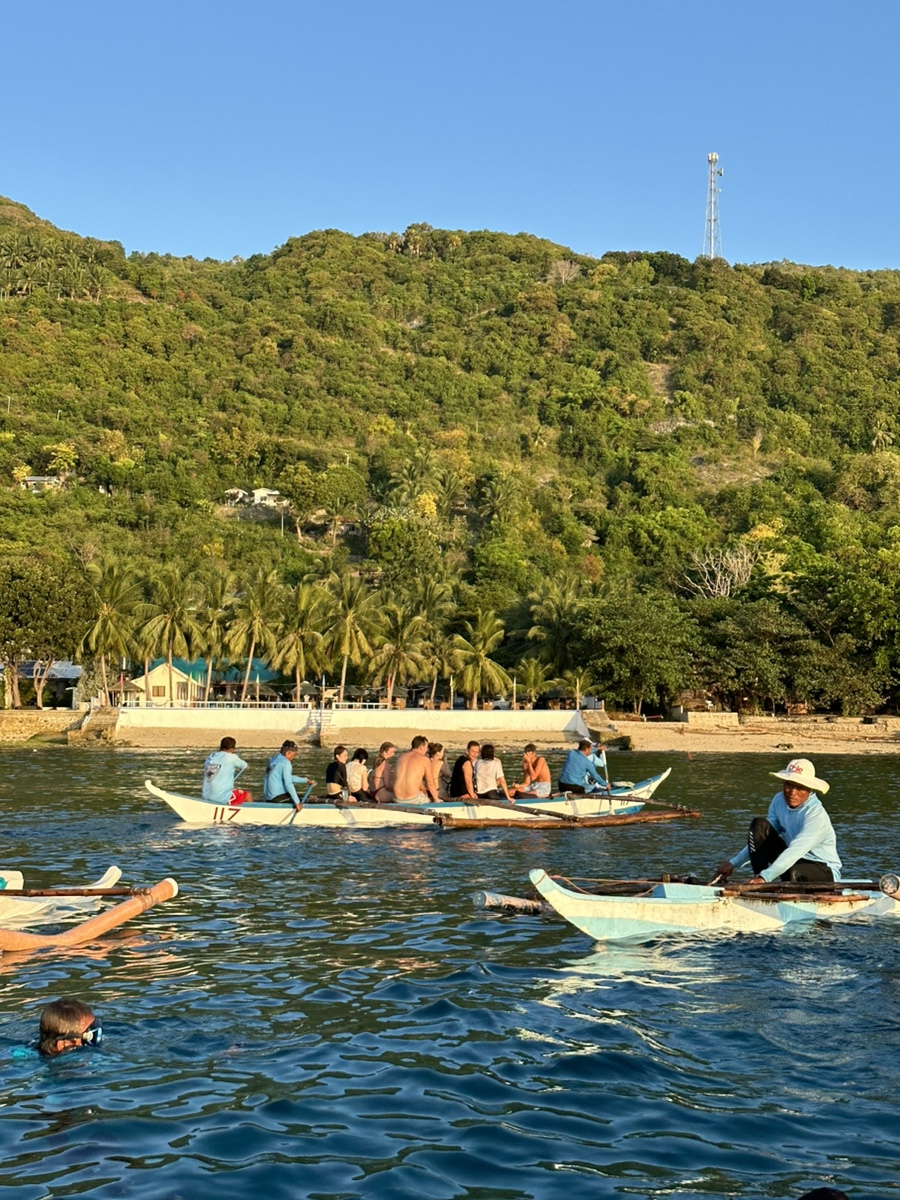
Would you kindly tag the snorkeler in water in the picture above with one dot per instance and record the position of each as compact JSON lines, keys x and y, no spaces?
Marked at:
{"x":68,"y":1024}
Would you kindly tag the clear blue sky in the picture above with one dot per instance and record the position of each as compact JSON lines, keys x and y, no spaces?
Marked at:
{"x":225,"y":128}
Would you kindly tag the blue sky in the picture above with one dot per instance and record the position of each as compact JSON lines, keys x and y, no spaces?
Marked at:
{"x":224,"y":128}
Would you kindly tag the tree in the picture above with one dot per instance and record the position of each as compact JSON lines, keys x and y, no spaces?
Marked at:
{"x":354,"y":622}
{"x":43,"y":613}
{"x":402,"y":650}
{"x":214,"y":614}
{"x":115,"y":605}
{"x":170,"y":616}
{"x":478,"y":671}
{"x":638,"y":645}
{"x":253,"y":628}
{"x":534,"y":678}
{"x":301,"y":632}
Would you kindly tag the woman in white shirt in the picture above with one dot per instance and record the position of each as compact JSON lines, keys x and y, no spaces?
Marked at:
{"x":358,"y":776}
{"x":489,"y":781}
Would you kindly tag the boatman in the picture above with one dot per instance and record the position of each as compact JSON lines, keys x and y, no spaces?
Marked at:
{"x":795,"y":842}
{"x":220,"y":771}
{"x":279,"y":780}
{"x":579,"y":774}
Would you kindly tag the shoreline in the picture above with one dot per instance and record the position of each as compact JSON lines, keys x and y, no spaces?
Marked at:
{"x":709,"y":734}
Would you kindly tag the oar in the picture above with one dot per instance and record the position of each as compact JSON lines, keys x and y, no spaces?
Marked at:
{"x":525,"y":808}
{"x":110,"y":891}
{"x":392,"y":807}
{"x":87,"y":931}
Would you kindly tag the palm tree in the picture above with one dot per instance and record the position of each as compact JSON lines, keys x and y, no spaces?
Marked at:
{"x":170,"y":616}
{"x":213,"y":619}
{"x":301,"y":632}
{"x":443,"y":657}
{"x":478,"y":671}
{"x":577,"y":682}
{"x":402,"y":649}
{"x":354,"y":622}
{"x":534,"y":676}
{"x":253,"y":629}
{"x":116,"y":603}
{"x":555,"y":610}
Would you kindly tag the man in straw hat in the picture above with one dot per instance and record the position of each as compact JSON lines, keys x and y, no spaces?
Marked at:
{"x":795,"y":842}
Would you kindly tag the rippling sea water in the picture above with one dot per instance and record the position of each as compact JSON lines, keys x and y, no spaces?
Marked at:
{"x":324,"y":1014}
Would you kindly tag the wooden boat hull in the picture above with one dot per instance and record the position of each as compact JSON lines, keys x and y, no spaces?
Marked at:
{"x":619,"y":802}
{"x":684,"y":908}
{"x":17,"y":912}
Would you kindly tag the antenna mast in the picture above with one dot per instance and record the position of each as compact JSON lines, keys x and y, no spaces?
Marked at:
{"x":712,"y":237}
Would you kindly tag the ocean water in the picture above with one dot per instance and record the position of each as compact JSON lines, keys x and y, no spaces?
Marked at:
{"x":325,"y":1014}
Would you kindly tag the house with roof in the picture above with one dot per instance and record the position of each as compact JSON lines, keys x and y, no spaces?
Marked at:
{"x":152,"y":689}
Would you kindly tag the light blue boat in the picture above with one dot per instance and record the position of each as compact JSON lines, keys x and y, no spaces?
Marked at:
{"x":639,"y":910}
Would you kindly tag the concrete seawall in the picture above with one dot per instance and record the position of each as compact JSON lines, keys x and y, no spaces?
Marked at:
{"x":364,"y":727}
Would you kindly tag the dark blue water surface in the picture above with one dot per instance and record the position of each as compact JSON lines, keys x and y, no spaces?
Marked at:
{"x":324,"y":1014}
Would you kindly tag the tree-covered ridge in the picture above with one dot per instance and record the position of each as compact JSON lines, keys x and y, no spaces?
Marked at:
{"x":487,"y":409}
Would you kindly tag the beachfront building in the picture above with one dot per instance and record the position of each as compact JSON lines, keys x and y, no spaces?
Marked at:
{"x":152,"y":689}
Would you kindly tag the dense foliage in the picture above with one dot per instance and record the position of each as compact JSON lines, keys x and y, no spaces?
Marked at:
{"x":642,"y":473}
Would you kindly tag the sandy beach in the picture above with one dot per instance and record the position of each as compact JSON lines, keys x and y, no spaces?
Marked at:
{"x":763,"y":735}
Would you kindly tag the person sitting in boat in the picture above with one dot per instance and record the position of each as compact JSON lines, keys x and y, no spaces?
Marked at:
{"x":412,"y":784}
{"x":336,"y":783}
{"x":67,"y":1024}
{"x":578,"y":773}
{"x":383,"y":774}
{"x":438,"y":771}
{"x":358,"y":776}
{"x":489,"y":781}
{"x":535,"y":775}
{"x":795,"y":842}
{"x":462,"y":777}
{"x":279,"y":780}
{"x":220,"y":770}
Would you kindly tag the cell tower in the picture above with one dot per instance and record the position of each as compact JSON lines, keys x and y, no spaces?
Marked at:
{"x":712,"y":237}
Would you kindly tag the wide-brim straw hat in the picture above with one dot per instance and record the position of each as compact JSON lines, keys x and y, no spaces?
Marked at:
{"x":803,"y":773}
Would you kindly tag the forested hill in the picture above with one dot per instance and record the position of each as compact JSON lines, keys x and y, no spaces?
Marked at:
{"x":492,"y":410}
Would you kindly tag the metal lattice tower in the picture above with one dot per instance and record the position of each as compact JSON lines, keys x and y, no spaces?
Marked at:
{"x":712,"y":237}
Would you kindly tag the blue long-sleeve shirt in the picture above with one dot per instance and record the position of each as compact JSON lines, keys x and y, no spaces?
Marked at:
{"x":578,"y":770}
{"x":808,"y":832}
{"x":279,"y":778}
{"x":220,"y":770}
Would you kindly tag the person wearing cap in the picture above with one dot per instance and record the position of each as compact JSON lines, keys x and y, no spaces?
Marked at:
{"x":795,"y":842}
{"x":279,"y":780}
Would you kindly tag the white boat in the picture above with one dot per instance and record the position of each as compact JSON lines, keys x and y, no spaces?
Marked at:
{"x":612,"y":910}
{"x":19,"y":911}
{"x":625,"y":800}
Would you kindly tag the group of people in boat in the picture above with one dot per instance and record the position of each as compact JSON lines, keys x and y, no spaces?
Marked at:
{"x":795,"y":842}
{"x":420,"y":775}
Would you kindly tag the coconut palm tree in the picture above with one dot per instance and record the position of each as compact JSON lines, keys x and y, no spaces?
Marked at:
{"x":214,"y":614}
{"x":117,"y":597}
{"x":576,"y":682}
{"x":255,"y":622}
{"x":353,"y":623}
{"x":555,"y":613}
{"x":478,"y":671}
{"x":301,"y":632}
{"x":534,"y":677}
{"x":170,"y":616}
{"x":402,"y":652}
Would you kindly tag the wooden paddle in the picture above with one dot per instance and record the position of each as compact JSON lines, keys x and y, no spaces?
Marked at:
{"x":110,"y":891}
{"x":525,"y":808}
{"x":87,"y":931}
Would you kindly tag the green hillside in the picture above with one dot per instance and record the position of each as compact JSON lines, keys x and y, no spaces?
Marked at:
{"x":664,"y":473}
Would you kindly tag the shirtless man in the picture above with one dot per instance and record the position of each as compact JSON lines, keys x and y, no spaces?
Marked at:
{"x":412,"y":784}
{"x":535,"y":774}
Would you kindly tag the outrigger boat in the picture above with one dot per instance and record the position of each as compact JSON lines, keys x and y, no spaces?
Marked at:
{"x":611,"y":910}
{"x":20,"y":907}
{"x":619,"y":804}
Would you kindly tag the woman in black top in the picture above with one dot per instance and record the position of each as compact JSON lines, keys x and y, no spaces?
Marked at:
{"x":336,"y":774}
